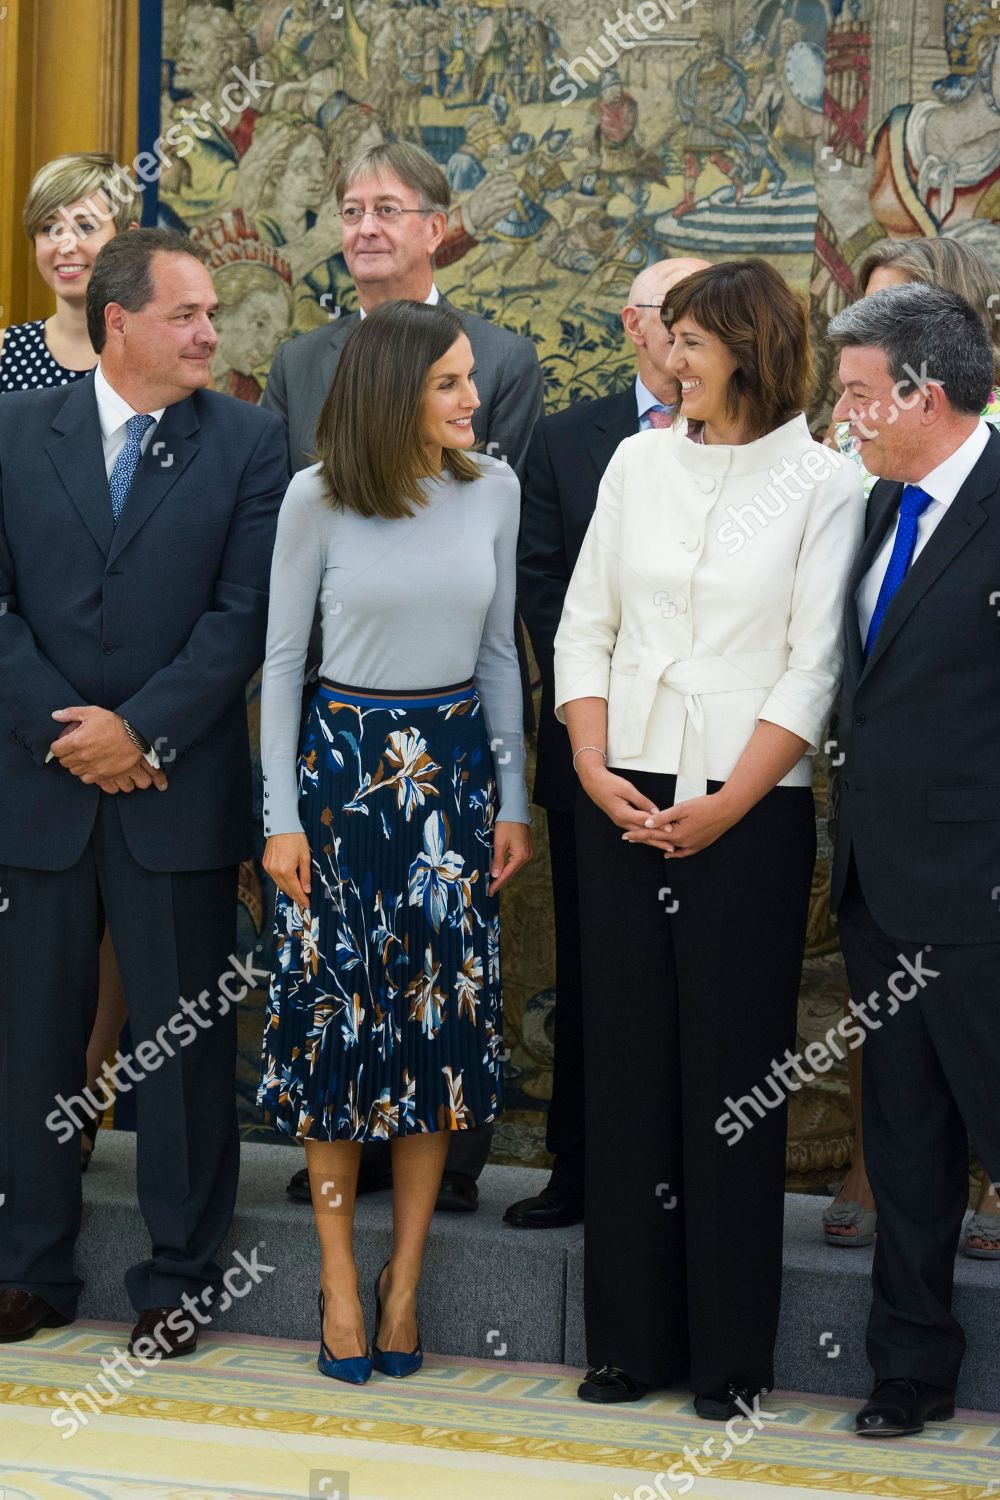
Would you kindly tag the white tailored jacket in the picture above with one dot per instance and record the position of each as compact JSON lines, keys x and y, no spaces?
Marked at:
{"x":708,"y":595}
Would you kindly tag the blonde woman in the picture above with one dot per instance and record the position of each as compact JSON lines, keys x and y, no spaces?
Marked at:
{"x":850,"y":1220}
{"x":75,"y":204}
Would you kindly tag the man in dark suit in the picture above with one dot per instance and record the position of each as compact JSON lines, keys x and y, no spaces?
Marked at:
{"x":566,"y":460}
{"x":401,"y":198}
{"x":137,"y":519}
{"x":394,"y":204}
{"x":916,"y":874}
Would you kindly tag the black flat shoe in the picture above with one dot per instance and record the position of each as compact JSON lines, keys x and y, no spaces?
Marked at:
{"x":731,"y":1401}
{"x":607,"y":1383}
{"x":458,"y":1194}
{"x":550,"y":1209}
{"x":899,"y":1408}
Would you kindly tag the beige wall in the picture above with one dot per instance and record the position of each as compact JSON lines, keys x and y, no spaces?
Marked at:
{"x":68,"y":82}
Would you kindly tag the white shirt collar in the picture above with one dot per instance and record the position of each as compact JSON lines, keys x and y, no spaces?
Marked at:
{"x":430,"y":300}
{"x":644,"y":398}
{"x":944,"y":482}
{"x":113,"y":410}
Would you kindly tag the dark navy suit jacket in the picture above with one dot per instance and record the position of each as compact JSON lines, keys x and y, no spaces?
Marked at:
{"x":919,"y":730}
{"x":162,"y":619}
{"x":567,"y":457}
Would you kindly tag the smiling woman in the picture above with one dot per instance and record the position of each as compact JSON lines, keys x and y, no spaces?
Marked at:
{"x":75,"y":205}
{"x":399,"y":810}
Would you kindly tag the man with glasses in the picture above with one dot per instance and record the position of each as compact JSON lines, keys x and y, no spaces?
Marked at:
{"x":394,"y":202}
{"x":566,"y":459}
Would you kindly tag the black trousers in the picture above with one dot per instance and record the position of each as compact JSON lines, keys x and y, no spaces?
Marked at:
{"x":565,"y":1127}
{"x":931,"y":1061}
{"x":173,"y":936}
{"x":691,"y":973}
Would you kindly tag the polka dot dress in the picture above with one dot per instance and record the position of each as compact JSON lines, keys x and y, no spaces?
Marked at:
{"x":27,"y":365}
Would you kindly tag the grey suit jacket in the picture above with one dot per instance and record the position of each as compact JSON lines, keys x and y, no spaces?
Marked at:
{"x":508,"y":379}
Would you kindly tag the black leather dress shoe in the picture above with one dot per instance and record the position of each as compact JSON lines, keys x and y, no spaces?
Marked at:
{"x":458,"y":1194}
{"x":550,"y":1209}
{"x":163,"y":1332}
{"x":731,"y":1401}
{"x":368,"y":1182}
{"x":606,"y":1383}
{"x":22,"y":1314}
{"x":899,"y":1408}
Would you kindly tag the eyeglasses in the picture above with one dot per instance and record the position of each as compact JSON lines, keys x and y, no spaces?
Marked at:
{"x":384,"y":213}
{"x":657,"y":305}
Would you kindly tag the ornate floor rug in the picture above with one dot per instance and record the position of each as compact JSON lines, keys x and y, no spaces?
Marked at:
{"x":249,"y":1418}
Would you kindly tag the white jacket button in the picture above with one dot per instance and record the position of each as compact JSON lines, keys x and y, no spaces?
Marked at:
{"x":692,"y":542}
{"x":682,"y":605}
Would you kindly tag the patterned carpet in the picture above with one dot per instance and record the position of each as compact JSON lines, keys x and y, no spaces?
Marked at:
{"x":250,"y":1418}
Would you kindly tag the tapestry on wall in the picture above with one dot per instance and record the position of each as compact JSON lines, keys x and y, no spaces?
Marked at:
{"x":580,"y":144}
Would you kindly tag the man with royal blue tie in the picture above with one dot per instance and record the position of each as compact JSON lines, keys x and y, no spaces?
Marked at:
{"x":916,"y":870}
{"x":137,"y":519}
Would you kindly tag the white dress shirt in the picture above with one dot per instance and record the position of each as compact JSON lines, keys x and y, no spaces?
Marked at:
{"x":709,"y":595}
{"x":432,"y":298}
{"x":113,"y":412}
{"x":943,"y":483}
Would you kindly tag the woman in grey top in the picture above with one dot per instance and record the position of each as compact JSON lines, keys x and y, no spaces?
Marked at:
{"x":398,"y":813}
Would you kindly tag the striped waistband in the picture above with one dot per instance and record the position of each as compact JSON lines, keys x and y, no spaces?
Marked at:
{"x":404,"y":698}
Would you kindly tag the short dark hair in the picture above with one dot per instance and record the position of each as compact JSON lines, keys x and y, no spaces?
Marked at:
{"x":925,"y":333}
{"x":122,"y":273}
{"x":764,"y":325}
{"x":368,"y":465}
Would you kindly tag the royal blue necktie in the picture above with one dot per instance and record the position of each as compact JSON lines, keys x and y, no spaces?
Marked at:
{"x":913,"y":504}
{"x":128,"y":461}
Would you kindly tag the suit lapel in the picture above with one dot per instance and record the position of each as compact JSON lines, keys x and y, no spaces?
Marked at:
{"x":77,"y":452}
{"x":339,"y":330}
{"x":168,"y":453}
{"x":957,"y":527}
{"x":617,"y":420}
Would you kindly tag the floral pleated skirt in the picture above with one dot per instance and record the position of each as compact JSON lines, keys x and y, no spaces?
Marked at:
{"x":383,"y":1016}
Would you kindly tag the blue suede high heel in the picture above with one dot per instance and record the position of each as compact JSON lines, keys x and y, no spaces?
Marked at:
{"x":354,"y":1371}
{"x":386,"y":1361}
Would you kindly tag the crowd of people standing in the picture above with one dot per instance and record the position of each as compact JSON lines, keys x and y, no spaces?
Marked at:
{"x":703,"y":584}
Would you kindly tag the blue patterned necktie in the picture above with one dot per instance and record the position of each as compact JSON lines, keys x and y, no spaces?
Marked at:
{"x":128,"y":461}
{"x":913,"y":504}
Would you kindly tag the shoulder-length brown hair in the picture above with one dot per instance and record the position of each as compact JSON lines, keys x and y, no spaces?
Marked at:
{"x":368,"y":438}
{"x":764,"y":325}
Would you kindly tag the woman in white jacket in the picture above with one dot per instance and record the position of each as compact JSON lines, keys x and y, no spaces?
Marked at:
{"x":696,"y":665}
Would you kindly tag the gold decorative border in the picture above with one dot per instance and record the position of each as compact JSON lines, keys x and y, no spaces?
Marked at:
{"x":457,"y":1440}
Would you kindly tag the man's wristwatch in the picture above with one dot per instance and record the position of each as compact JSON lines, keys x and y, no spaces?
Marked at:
{"x":142,"y":744}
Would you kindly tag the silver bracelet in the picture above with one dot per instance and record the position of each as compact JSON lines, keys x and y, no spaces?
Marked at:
{"x":589,"y":747}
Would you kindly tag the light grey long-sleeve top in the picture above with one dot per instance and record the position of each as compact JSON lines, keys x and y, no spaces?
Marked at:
{"x":419,"y":602}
